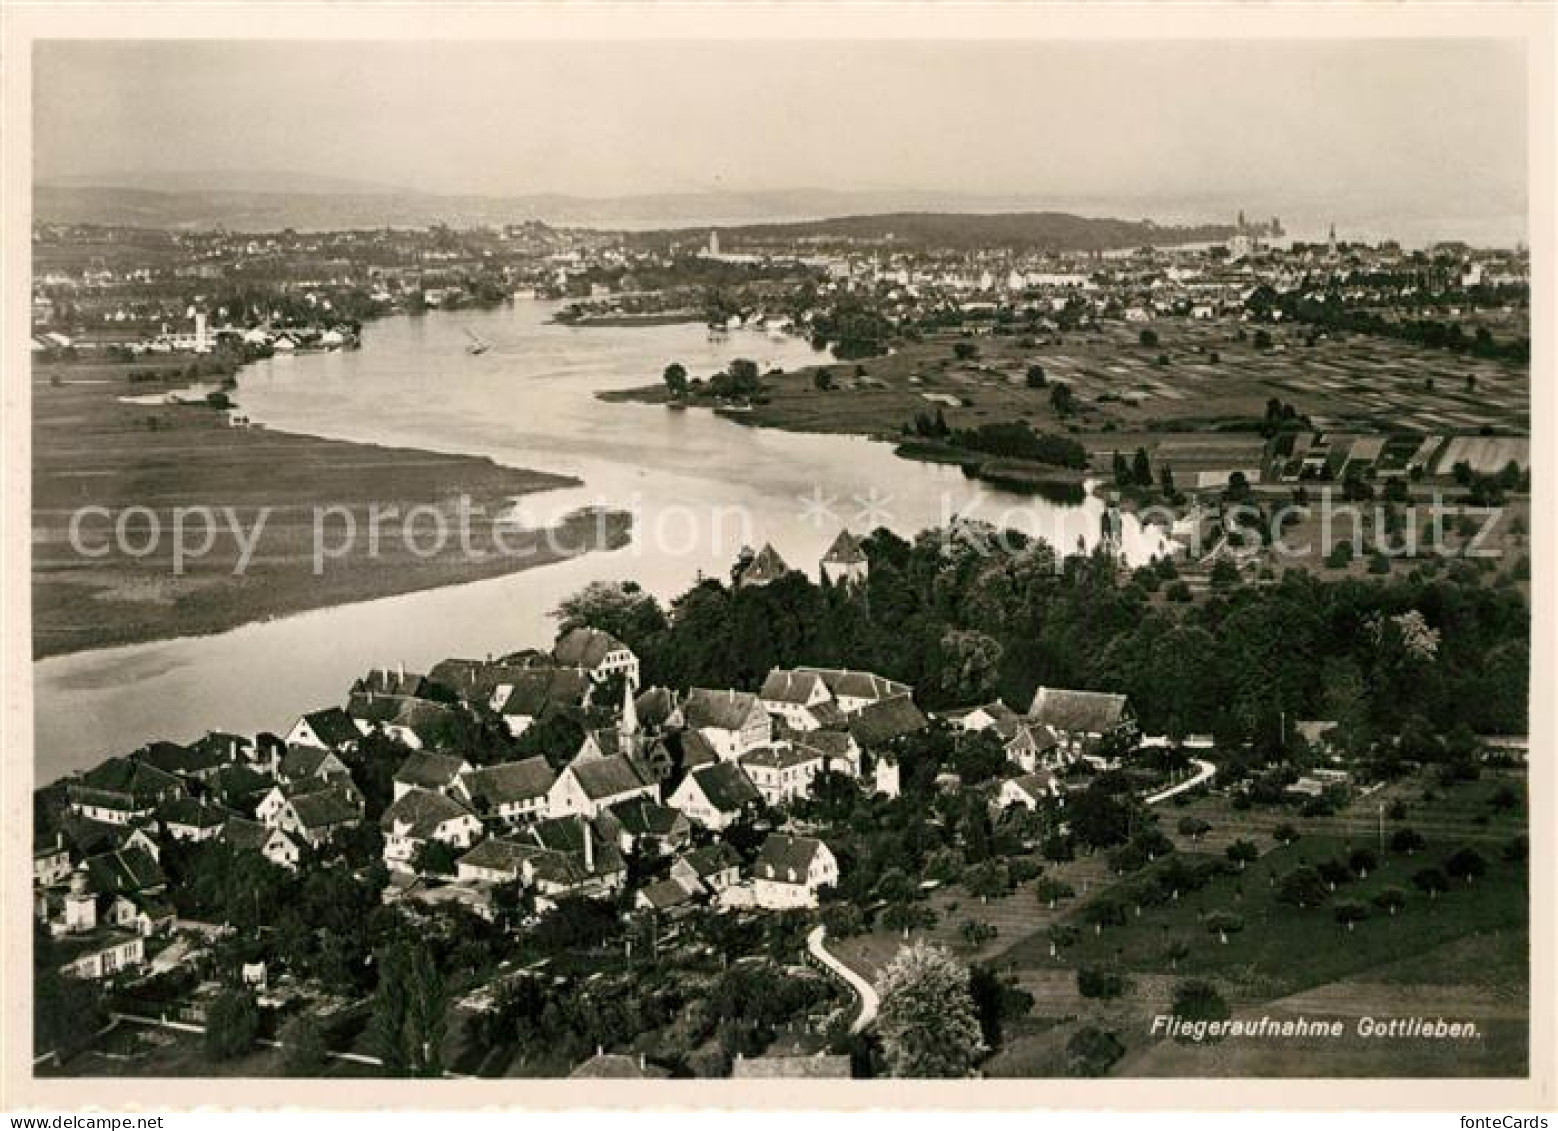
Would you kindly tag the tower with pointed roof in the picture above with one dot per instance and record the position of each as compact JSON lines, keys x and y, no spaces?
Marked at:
{"x":628,"y":726}
{"x":845,"y":563}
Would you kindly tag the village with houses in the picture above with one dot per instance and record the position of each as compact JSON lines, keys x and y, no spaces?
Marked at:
{"x":574,"y":827}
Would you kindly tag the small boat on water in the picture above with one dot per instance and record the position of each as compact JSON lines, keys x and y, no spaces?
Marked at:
{"x":477,"y":346}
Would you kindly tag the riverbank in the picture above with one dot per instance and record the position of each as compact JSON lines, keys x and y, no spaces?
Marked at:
{"x":91,"y":449}
{"x":628,"y":321}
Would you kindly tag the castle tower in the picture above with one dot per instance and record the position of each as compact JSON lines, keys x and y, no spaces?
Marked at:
{"x":845,"y":562}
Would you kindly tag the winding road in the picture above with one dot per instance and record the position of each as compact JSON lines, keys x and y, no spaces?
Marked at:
{"x":869,"y":1001}
{"x":1204,"y":772}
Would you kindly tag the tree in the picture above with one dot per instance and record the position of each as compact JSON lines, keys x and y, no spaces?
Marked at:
{"x":1141,"y":468}
{"x":843,"y":920}
{"x":968,"y":663}
{"x":1222,"y":924}
{"x":1334,"y":872}
{"x":1050,"y":891}
{"x":1091,"y":1051}
{"x":1061,"y":936}
{"x":1390,"y":900}
{"x":744,"y":376}
{"x":675,"y":378}
{"x":67,"y":1011}
{"x":1098,"y":817}
{"x":965,"y":351}
{"x":823,"y":380}
{"x":303,"y":1047}
{"x":996,"y":1000}
{"x":907,"y":917}
{"x":1363,"y":861}
{"x":976,"y":932}
{"x":232,"y":1024}
{"x":621,"y":608}
{"x":1284,"y":834}
{"x":989,"y":880}
{"x":1349,"y":913}
{"x":927,"y":1019}
{"x":1195,"y":1000}
{"x":408,"y":1021}
{"x":1036,"y":377}
{"x":1302,"y":887}
{"x":1098,"y":983}
{"x":1148,"y":338}
{"x":1243,"y":853}
{"x":1431,"y":881}
{"x":1465,"y":864}
{"x":1062,"y":399}
{"x":1407,"y":841}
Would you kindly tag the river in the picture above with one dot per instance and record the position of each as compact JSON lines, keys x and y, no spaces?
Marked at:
{"x":699,"y":486}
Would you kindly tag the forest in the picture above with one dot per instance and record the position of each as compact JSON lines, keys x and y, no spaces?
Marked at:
{"x":969,"y":613}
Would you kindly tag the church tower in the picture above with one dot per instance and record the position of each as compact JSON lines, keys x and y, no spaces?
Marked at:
{"x":628,"y":726}
{"x":1111,"y":532}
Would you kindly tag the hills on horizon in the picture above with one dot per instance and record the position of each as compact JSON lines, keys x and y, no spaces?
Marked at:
{"x":271,"y":202}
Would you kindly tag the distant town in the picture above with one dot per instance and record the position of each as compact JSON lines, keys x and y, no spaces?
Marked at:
{"x":938,"y":803}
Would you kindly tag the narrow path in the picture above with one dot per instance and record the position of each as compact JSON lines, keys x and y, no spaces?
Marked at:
{"x":1204,"y":772}
{"x":863,"y":989}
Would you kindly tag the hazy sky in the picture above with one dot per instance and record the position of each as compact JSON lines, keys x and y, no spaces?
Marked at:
{"x":1411,"y":128}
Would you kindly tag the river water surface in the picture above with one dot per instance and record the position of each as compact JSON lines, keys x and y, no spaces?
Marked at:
{"x":698,"y":485}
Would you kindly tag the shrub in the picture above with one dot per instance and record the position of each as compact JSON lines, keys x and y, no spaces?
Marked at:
{"x":1093,"y":982}
{"x":232,"y":1024}
{"x":1092,"y":1052}
{"x":1196,"y":1000}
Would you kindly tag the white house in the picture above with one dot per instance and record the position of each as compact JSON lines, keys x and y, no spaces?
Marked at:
{"x":313,"y":817}
{"x":599,"y":653}
{"x":272,"y":843}
{"x":1080,"y":719}
{"x":524,"y":696}
{"x":782,"y":772}
{"x":791,"y":870}
{"x":419,"y":817}
{"x":102,"y":953}
{"x":793,"y":695}
{"x":328,"y":729}
{"x":425,"y":769}
{"x":714,"y":867}
{"x":854,"y":690}
{"x":1036,"y":747}
{"x":715,"y":796}
{"x":1029,"y":791}
{"x":508,"y":791}
{"x":586,"y":787}
{"x":496,"y":861}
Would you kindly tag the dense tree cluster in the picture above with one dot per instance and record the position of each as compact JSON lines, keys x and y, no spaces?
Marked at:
{"x":965,"y":613}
